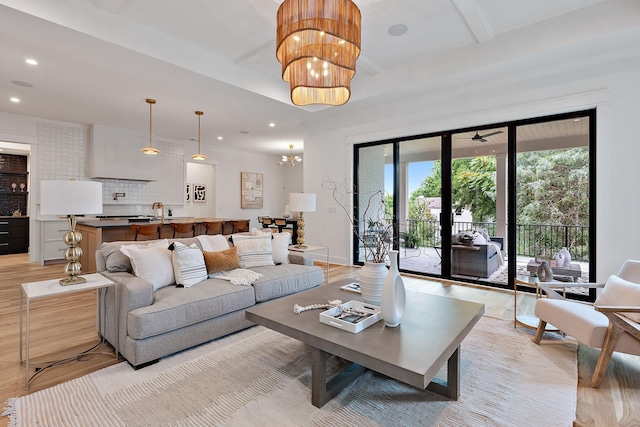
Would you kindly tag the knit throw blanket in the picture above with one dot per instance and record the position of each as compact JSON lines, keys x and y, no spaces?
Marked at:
{"x":239,"y":276}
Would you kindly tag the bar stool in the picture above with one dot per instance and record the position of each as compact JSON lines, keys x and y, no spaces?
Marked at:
{"x":266,"y":222}
{"x":239,"y":226}
{"x":183,"y":228}
{"x":281,"y":223}
{"x":213,"y":227}
{"x":146,"y":230}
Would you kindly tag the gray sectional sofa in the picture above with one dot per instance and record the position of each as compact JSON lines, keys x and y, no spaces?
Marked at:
{"x":153,"y":324}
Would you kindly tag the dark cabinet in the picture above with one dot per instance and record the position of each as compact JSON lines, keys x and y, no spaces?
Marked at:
{"x":14,"y":235}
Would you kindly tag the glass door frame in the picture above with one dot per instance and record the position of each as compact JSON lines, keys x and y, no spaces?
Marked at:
{"x":446,"y":220}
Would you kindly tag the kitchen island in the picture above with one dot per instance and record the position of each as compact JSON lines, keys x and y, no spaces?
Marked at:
{"x":96,"y":231}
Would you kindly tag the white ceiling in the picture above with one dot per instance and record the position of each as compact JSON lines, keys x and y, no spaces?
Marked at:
{"x":100,"y":59}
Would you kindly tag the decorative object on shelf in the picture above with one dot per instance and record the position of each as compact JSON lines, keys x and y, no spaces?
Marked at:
{"x":22,"y":187}
{"x":563,"y":258}
{"x":545,"y":274}
{"x":287,"y":212}
{"x":71,"y":198}
{"x":302,"y":202}
{"x":394,"y":298}
{"x":199,"y":155}
{"x":14,"y":186}
{"x":169,"y":212}
{"x":16,"y":213}
{"x":290,"y":160}
{"x":318,"y":44}
{"x":150,"y":150}
{"x":372,"y":277}
{"x":251,"y":195}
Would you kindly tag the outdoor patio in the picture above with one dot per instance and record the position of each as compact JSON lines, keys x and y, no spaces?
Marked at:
{"x":427,"y":260}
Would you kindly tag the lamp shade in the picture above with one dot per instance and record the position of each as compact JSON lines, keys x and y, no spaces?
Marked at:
{"x":70,"y":197}
{"x":302,"y":202}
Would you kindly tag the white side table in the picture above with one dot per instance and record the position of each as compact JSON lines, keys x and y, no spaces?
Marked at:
{"x":50,"y":289}
{"x":312,"y":248}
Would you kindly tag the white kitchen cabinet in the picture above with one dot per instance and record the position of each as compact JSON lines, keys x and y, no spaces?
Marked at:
{"x":53,"y":245}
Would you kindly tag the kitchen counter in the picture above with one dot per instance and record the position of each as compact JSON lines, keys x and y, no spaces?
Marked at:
{"x":96,"y":231}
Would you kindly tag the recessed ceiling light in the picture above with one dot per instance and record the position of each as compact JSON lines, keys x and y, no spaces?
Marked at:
{"x":14,"y":99}
{"x":397,"y":30}
{"x":220,"y":138}
{"x":272,"y":125}
{"x":31,"y":61}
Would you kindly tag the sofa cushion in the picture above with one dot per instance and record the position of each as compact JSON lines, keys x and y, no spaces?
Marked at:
{"x":174,"y":308}
{"x":221,"y":260}
{"x":620,"y":292}
{"x":253,"y":251}
{"x":188,"y":264}
{"x":152,"y":263}
{"x":285,"y":279}
{"x":280,"y":247}
{"x":214,"y":243}
{"x":115,"y":260}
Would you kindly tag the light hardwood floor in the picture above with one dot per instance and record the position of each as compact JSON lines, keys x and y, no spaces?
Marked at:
{"x":66,"y":325}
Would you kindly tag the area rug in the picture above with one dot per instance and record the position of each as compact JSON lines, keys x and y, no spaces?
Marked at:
{"x":261,"y":378}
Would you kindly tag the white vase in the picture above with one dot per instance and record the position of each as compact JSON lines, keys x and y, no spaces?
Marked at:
{"x":394,"y":298}
{"x":372,"y":276}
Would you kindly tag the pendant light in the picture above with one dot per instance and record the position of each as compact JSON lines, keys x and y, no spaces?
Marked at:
{"x":318,"y":43}
{"x":150,"y":150}
{"x":199,"y":155}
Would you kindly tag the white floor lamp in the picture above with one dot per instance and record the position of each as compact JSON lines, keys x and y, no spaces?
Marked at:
{"x":302,"y":202}
{"x":71,"y":198}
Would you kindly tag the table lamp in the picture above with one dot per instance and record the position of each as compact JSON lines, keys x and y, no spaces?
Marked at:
{"x":71,"y":198}
{"x":302,"y":202}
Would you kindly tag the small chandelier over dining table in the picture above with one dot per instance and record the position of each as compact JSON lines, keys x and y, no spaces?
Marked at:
{"x":318,"y":43}
{"x":290,"y":160}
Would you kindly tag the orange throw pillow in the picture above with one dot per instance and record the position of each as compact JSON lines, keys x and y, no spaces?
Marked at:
{"x":221,"y":260}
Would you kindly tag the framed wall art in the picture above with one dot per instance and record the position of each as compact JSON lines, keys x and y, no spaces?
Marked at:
{"x":199,"y":193}
{"x":251,"y":190}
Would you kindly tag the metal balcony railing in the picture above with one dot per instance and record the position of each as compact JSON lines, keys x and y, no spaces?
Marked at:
{"x":531,"y":239}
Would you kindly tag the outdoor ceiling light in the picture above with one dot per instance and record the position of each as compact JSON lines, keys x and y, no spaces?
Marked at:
{"x":318,"y":43}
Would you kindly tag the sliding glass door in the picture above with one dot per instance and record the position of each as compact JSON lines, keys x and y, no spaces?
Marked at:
{"x":483,"y":205}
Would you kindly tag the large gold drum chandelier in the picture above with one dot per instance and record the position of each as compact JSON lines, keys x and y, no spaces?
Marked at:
{"x":318,"y":43}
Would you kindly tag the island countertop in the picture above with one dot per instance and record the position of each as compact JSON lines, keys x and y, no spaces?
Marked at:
{"x":111,"y":223}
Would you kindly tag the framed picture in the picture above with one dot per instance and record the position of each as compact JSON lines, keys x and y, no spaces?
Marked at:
{"x":199,"y":193}
{"x":251,"y":190}
{"x":188,"y":192}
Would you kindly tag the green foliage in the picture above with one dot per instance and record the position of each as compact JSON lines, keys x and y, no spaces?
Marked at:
{"x":552,"y":187}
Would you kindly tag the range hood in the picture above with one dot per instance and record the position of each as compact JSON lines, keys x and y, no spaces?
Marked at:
{"x":115,"y":154}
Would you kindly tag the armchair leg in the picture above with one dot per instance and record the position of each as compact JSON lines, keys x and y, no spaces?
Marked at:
{"x":613,"y":333}
{"x":542,"y":325}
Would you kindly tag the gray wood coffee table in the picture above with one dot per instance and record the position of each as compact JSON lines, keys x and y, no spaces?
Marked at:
{"x":430,"y":335}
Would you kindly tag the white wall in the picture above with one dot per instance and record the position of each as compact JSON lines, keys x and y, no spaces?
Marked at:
{"x":615,"y":95}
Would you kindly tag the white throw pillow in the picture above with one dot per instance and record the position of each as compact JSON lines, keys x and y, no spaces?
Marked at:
{"x":618,"y":291}
{"x":478,"y":239}
{"x":253,"y":251}
{"x":214,"y":243}
{"x":188,"y":264}
{"x":257,"y":232}
{"x":152,"y":263}
{"x":280,"y":247}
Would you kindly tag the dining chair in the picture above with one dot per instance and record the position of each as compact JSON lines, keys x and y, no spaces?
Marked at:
{"x":213,"y":227}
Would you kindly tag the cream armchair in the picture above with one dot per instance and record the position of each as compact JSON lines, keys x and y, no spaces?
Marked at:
{"x":611,"y":324}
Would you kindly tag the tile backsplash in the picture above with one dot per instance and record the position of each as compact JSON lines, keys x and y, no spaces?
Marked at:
{"x":61,"y":154}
